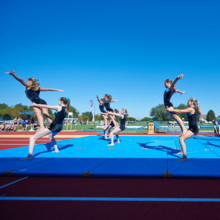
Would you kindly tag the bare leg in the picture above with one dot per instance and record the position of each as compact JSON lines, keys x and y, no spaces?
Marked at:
{"x":117,"y":136}
{"x":39,"y":118}
{"x":179,"y":122}
{"x":33,"y":139}
{"x":46,"y":114}
{"x":111,"y":135}
{"x":51,"y":136}
{"x":105,"y":121}
{"x":182,"y":139}
{"x":107,"y":129}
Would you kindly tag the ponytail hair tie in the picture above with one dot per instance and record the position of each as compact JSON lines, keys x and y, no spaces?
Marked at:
{"x":197,"y":100}
{"x":126,"y":111}
{"x":36,"y":80}
{"x":67,"y":99}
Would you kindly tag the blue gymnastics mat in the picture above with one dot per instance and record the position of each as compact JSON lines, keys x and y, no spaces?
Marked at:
{"x":135,"y":156}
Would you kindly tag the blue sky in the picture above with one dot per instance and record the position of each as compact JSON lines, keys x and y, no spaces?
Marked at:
{"x":125,"y":48}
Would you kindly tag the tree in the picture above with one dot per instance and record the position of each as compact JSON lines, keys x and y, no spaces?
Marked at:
{"x":98,"y":118}
{"x":159,"y":113}
{"x":210,"y":116}
{"x":75,"y":112}
{"x":89,"y":114}
{"x":146,"y":119}
{"x":3,"y":106}
{"x":83,"y":118}
{"x":131,"y":119}
{"x":182,"y":116}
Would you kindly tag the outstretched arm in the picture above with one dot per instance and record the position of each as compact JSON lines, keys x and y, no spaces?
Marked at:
{"x":58,"y":108}
{"x":182,"y":111}
{"x":116,"y":114}
{"x":58,"y":90}
{"x":114,"y":100}
{"x":175,"y":81}
{"x":181,"y":92}
{"x":12,"y":72}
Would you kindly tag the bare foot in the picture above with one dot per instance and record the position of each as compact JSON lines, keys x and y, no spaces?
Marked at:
{"x":118,"y":142}
{"x":55,"y":151}
{"x":110,"y":145}
{"x":180,"y":152}
{"x":27,"y":158}
{"x":184,"y":158}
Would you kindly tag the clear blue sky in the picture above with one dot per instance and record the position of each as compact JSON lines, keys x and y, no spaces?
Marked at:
{"x":125,"y":48}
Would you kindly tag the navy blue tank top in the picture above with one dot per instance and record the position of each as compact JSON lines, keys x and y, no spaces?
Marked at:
{"x":192,"y":119}
{"x":167,"y":96}
{"x":101,"y":107}
{"x":31,"y":94}
{"x":59,"y":117}
{"x":107,"y":105}
{"x":123,"y":121}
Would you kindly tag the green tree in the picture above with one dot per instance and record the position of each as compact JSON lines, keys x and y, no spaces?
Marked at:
{"x":210,"y":116}
{"x":89,"y":114}
{"x":131,"y":119}
{"x":146,"y":119}
{"x":98,"y":117}
{"x":83,"y":118}
{"x":75,"y":112}
{"x":159,"y":113}
{"x":3,"y":106}
{"x":182,"y":116}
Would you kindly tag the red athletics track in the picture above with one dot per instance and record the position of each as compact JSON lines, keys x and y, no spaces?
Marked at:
{"x":112,"y":187}
{"x":10,"y":140}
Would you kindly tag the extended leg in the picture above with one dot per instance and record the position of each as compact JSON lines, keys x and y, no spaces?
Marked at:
{"x":51,"y":136}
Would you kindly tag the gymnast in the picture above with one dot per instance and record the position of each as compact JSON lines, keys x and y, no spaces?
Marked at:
{"x":54,"y":128}
{"x":103,"y":112}
{"x":170,"y":90}
{"x":32,"y":92}
{"x":107,"y":100}
{"x":111,"y":124}
{"x":123,"y":117}
{"x":191,"y":111}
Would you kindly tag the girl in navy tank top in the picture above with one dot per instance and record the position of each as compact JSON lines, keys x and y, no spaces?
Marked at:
{"x":32,"y":92}
{"x":191,"y":111}
{"x":103,"y":112}
{"x":54,"y":128}
{"x":168,"y":93}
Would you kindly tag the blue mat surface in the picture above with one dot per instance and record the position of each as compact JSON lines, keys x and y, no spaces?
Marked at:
{"x":135,"y":156}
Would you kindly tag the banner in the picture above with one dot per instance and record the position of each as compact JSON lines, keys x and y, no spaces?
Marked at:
{"x":91,"y":103}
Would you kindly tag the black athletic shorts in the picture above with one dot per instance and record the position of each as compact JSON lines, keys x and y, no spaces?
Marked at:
{"x":55,"y":128}
{"x":122,"y":127}
{"x":194,"y":129}
{"x":168,"y":104}
{"x":39,"y":101}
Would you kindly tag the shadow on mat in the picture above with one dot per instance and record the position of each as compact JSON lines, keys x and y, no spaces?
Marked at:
{"x":168,"y":150}
{"x":50,"y":147}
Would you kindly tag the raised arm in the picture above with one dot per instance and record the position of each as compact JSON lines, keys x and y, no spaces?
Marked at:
{"x":98,"y":99}
{"x":182,"y":111}
{"x":12,"y":73}
{"x":114,"y":100}
{"x":58,"y":108}
{"x":175,"y":81}
{"x":57,"y":90}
